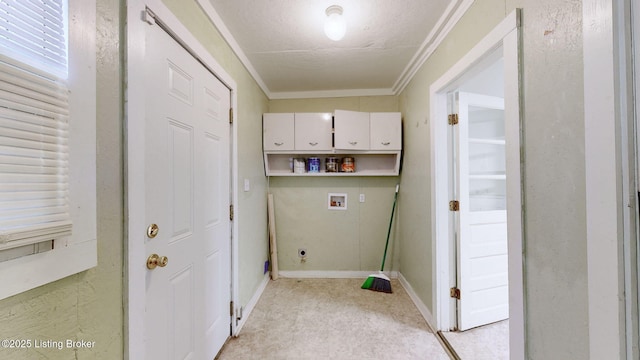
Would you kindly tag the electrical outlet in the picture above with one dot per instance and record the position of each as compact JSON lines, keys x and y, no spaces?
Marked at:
{"x":302,"y":252}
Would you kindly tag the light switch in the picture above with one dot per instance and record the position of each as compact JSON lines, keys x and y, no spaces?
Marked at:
{"x":361,"y":198}
{"x":247,"y":185}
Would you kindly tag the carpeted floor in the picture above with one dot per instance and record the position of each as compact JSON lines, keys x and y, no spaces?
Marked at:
{"x":333,"y":319}
{"x":489,"y":342}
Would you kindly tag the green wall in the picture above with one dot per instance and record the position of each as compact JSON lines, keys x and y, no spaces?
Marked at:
{"x":416,"y":251}
{"x":554,"y":170}
{"x":354,"y":103}
{"x":86,"y":306}
{"x":349,"y":240}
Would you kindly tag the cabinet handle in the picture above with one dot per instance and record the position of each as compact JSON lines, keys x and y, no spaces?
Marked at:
{"x":353,"y":142}
{"x":313,"y":143}
{"x":278,"y":144}
{"x":385,"y":143}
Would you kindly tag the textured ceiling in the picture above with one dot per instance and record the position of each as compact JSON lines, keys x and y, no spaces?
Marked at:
{"x":284,"y":42}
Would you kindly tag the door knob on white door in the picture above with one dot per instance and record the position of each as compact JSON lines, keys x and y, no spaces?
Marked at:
{"x":155,"y":260}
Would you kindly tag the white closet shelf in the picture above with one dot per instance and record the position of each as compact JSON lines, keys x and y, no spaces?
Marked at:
{"x":488,"y":177}
{"x":367,"y":163}
{"x":487,"y":141}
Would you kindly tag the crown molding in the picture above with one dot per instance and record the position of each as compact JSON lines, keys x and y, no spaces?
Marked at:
{"x":216,"y":20}
{"x":443,"y":27}
{"x":330,"y":93}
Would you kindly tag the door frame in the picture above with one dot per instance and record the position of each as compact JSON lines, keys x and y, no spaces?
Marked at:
{"x":632,"y":176}
{"x":611,"y":178}
{"x":135,"y":271}
{"x":505,"y":36}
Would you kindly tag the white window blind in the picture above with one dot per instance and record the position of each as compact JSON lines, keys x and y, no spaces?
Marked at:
{"x":33,"y":32}
{"x":34,"y":116}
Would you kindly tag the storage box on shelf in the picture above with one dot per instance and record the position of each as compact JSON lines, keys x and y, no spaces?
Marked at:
{"x":373,"y":140}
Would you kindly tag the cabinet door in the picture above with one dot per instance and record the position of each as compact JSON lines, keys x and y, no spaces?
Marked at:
{"x":351,"y":130}
{"x":313,"y":131}
{"x":277,"y":131}
{"x":386,"y":131}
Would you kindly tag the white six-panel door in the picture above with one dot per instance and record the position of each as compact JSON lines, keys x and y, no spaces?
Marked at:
{"x":481,"y":190}
{"x":187,"y":176}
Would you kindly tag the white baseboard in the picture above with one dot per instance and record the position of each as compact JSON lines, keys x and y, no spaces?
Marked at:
{"x":332,"y":274}
{"x":424,"y":310}
{"x":248,"y":308}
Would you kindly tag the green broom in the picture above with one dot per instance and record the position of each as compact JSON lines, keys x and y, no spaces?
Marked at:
{"x":380,"y":282}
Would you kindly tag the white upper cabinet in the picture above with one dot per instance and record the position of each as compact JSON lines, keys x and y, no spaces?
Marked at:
{"x":351,"y":130}
{"x":278,"y":133}
{"x":313,"y":131}
{"x":386,"y":131}
{"x":372,"y":141}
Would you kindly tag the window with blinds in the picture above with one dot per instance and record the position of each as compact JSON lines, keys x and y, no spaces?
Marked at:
{"x":34,"y":116}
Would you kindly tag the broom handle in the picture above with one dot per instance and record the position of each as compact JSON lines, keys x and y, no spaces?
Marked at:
{"x":393,"y":209}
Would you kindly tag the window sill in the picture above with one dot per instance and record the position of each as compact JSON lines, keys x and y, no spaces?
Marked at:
{"x":29,"y":272}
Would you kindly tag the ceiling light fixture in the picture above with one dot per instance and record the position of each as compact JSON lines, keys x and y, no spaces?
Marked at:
{"x":334,"y":26}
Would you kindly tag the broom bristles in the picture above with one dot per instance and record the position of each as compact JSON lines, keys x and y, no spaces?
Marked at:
{"x":378,"y":282}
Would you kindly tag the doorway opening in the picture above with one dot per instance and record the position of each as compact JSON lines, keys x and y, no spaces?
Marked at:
{"x":482,"y":170}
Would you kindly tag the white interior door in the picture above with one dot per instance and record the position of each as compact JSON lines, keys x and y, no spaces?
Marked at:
{"x":482,"y":217}
{"x":187,"y":175}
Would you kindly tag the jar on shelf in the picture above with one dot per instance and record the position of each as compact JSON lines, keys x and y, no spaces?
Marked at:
{"x":332,"y":164}
{"x":348,"y":165}
{"x":299,"y":165}
{"x":313,"y":164}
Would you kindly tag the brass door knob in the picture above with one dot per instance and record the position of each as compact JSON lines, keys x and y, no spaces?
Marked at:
{"x":155,"y":260}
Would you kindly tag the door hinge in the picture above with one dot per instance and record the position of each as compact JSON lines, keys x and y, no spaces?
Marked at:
{"x":149,"y":17}
{"x":454,"y":292}
{"x":230,"y":308}
{"x":231,"y":212}
{"x":230,"y":115}
{"x":454,"y":205}
{"x":453,"y":119}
